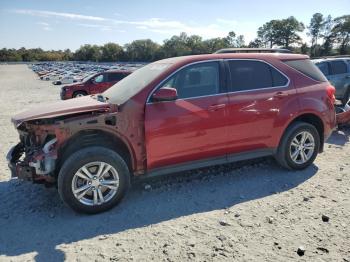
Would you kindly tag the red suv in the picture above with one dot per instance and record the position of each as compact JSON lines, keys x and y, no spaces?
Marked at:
{"x":174,"y":115}
{"x":94,"y":84}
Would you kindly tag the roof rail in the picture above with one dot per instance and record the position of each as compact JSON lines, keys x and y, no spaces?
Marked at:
{"x":252,"y":50}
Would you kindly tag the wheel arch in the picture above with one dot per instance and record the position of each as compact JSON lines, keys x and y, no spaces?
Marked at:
{"x":79,"y":91}
{"x":312,"y":119}
{"x":96,"y":137}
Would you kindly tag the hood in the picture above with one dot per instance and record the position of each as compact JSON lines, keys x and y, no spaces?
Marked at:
{"x":74,"y":84}
{"x":62,"y":108}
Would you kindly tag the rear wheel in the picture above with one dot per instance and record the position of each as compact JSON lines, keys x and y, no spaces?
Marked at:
{"x":79,"y":94}
{"x":93,"y":180}
{"x":299,"y":146}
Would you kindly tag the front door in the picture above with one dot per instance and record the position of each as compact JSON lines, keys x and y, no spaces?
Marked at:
{"x":99,"y":84}
{"x":193,"y":127}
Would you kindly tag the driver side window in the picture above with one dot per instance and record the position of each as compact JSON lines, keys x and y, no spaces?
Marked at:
{"x":196,"y":80}
{"x":99,"y":79}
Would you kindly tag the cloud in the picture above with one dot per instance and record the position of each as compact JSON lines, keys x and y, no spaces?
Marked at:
{"x":42,"y":13}
{"x":45,"y":26}
{"x":227,"y":22}
{"x":219,"y":28}
{"x":43,"y":23}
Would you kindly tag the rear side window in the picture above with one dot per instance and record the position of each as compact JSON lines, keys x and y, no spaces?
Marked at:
{"x":324,"y":68}
{"x":308,"y":68}
{"x":112,"y":77}
{"x":249,"y":75}
{"x":338,"y":67}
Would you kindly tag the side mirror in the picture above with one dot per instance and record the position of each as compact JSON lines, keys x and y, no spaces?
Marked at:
{"x":165,"y":94}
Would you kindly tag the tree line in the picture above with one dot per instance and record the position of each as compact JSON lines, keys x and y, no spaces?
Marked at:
{"x":328,"y":37}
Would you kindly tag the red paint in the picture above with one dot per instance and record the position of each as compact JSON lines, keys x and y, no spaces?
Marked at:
{"x":89,"y":87}
{"x":165,"y":133}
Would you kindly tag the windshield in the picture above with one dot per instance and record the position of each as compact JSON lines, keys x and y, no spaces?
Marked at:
{"x":87,"y":78}
{"x":134,"y":83}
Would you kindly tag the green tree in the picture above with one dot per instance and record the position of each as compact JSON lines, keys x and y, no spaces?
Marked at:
{"x":328,"y":36}
{"x":267,"y":33}
{"x":195,"y":44}
{"x":214,"y":44}
{"x":176,"y":46}
{"x":341,"y":32}
{"x":111,"y":52}
{"x":282,"y":32}
{"x":287,"y":30}
{"x":142,"y":50}
{"x":88,"y":53}
{"x":315,"y":29}
{"x":304,"y":49}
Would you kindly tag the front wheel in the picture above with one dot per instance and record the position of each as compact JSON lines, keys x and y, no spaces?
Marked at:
{"x":93,"y":180}
{"x":79,"y":94}
{"x":299,"y":146}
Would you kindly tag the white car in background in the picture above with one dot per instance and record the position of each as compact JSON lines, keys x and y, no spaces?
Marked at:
{"x":67,"y":79}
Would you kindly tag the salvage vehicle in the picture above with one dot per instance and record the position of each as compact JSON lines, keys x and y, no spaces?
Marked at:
{"x":174,"y":115}
{"x":94,"y":84}
{"x":337,"y":71}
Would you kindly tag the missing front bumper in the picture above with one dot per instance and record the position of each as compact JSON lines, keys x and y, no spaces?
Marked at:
{"x":40,"y":166}
{"x":17,"y":167}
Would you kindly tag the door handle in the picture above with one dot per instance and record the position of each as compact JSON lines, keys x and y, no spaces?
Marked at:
{"x":216,"y":107}
{"x":280,"y":94}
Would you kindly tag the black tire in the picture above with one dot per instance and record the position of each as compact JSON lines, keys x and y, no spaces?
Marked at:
{"x":346,"y":97}
{"x":283,"y":155}
{"x":79,"y":93}
{"x":82,"y":157}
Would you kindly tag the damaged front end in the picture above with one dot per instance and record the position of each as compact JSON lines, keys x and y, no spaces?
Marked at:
{"x":34,"y":157}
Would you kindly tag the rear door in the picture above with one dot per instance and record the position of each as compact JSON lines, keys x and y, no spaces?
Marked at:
{"x":258,"y":91}
{"x":193,"y":127}
{"x":115,"y":77}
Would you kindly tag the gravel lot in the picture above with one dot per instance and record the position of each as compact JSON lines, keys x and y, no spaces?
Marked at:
{"x":253,"y":211}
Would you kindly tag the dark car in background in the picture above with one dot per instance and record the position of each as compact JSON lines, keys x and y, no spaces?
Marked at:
{"x":337,"y":71}
{"x":94,"y":84}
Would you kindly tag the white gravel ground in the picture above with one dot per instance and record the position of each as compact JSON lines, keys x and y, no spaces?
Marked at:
{"x":254,"y":211}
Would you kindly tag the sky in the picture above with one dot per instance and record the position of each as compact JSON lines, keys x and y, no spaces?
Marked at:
{"x":65,"y":24}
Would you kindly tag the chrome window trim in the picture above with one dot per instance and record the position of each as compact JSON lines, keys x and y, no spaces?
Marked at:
{"x":262,"y":61}
{"x":296,"y":70}
{"x":173,"y":73}
{"x":226,"y":93}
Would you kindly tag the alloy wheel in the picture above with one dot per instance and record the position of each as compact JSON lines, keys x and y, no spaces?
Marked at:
{"x":302,"y":147}
{"x":95,"y":183}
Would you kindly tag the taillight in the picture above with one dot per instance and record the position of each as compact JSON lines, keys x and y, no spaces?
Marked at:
{"x":331,"y":93}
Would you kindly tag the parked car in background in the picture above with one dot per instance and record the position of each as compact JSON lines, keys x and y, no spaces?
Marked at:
{"x":337,"y":71}
{"x":94,"y":84}
{"x":174,"y":115}
{"x":67,"y":79}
